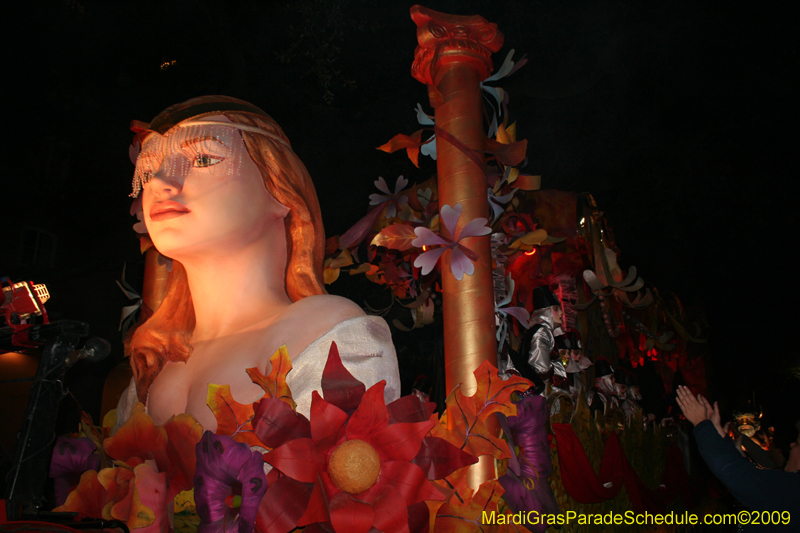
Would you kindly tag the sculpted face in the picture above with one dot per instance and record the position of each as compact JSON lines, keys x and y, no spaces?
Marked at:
{"x":205,"y":193}
{"x":558,"y":315}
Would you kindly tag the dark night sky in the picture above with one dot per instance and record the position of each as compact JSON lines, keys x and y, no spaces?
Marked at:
{"x":680,"y":118}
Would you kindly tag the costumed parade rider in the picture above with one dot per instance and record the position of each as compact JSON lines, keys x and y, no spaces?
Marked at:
{"x":576,"y":362}
{"x":536,"y":358}
{"x":630,"y":401}
{"x":604,"y":391}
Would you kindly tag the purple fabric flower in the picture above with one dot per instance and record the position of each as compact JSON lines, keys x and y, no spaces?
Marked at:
{"x":527,"y":489}
{"x":228,"y":484}
{"x":393,"y":199}
{"x":462,"y":258}
{"x":71,"y":458}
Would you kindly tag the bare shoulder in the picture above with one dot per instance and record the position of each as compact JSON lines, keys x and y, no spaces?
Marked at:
{"x":324,"y":311}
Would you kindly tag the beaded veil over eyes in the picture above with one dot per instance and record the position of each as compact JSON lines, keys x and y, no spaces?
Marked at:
{"x":190,"y":147}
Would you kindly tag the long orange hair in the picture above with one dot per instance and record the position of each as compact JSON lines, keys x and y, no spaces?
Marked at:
{"x":166,"y":336}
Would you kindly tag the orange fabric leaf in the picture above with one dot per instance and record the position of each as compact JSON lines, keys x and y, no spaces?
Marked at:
{"x":233,"y":418}
{"x":139,"y":437}
{"x":465,"y":426}
{"x":184,"y":432}
{"x":509,"y":154}
{"x":396,"y":236}
{"x":88,"y":498}
{"x":275,"y":385}
{"x":465,"y":517}
{"x":410,"y":143}
{"x":494,"y":394}
{"x":526,"y":182}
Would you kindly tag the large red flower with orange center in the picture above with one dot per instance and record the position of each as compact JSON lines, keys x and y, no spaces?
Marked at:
{"x":353,"y":466}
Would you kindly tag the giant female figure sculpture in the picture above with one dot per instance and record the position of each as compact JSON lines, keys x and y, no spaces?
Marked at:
{"x":226,"y":198}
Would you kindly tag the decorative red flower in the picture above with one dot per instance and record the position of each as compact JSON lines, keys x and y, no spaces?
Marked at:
{"x":358,"y":465}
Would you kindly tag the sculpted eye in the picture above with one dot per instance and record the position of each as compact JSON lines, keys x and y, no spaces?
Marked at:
{"x":203,"y":160}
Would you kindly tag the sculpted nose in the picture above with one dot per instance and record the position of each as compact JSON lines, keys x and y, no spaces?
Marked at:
{"x":165,"y":182}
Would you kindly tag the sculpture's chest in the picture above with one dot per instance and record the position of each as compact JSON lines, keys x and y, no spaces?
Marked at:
{"x":183,"y":387}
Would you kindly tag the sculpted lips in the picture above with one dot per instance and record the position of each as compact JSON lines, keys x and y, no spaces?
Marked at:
{"x":167,"y":210}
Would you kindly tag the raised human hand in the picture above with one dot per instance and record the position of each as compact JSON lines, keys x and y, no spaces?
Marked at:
{"x":712,"y":413}
{"x":693,"y":410}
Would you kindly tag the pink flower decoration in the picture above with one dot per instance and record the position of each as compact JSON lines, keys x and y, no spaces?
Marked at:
{"x":462,"y":257}
{"x":391,"y":198}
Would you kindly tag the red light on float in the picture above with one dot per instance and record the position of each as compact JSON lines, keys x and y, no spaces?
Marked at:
{"x":532,"y":252}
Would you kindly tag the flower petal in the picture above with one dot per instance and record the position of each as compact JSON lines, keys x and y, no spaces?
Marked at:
{"x":410,"y":409}
{"x":339,"y":387}
{"x":70,"y":459}
{"x":438,"y":458}
{"x":275,"y":423}
{"x":298,"y":459}
{"x":148,"y":512}
{"x":423,"y":118}
{"x":427,"y":260}
{"x":371,"y":415}
{"x":183,"y":434}
{"x":520,"y":313}
{"x":474,"y":228}
{"x":317,"y":509}
{"x":293,"y":496}
{"x":349,"y":515}
{"x":409,"y":481}
{"x":254,"y":485}
{"x":460,"y":264}
{"x":429,"y":148}
{"x":426,"y":237}
{"x":139,"y":437}
{"x":326,"y":421}
{"x":400,"y":184}
{"x":450,"y":216}
{"x":400,"y":442}
{"x":377,"y":199}
{"x":381,"y":185}
{"x":391,"y":512}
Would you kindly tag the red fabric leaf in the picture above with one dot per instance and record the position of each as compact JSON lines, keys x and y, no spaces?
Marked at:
{"x":298,"y":459}
{"x":275,"y":423}
{"x":339,"y":387}
{"x":409,"y":481}
{"x":349,"y":515}
{"x":360,"y":229}
{"x":577,"y":474}
{"x":391,"y":513}
{"x":317,"y":509}
{"x":410,"y":409}
{"x":418,"y":517}
{"x":283,"y":505}
{"x":371,"y":415}
{"x":400,"y":442}
{"x":326,"y":421}
{"x":438,"y":458}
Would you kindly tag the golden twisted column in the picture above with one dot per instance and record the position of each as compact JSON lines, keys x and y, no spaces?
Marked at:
{"x":453,"y":57}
